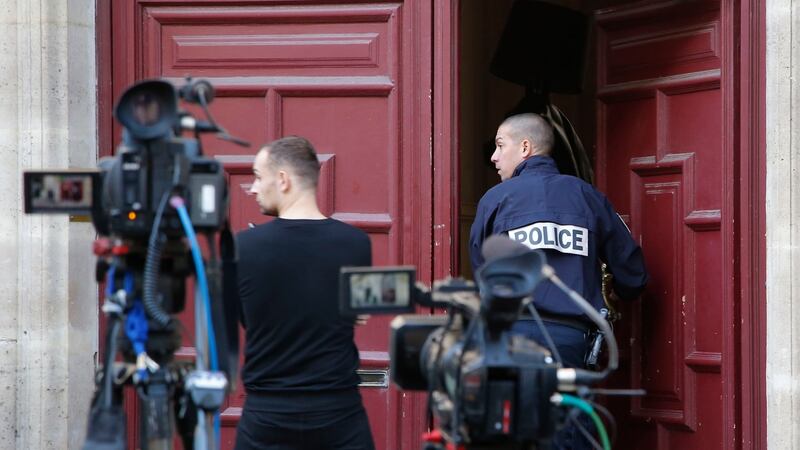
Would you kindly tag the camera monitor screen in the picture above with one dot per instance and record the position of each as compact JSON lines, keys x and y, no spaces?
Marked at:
{"x":374,"y":290}
{"x":67,"y":192}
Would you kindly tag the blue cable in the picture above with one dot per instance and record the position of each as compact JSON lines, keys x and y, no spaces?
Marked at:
{"x":129,"y":284}
{"x":186,"y":221}
{"x":178,"y":204}
{"x":110,"y":281}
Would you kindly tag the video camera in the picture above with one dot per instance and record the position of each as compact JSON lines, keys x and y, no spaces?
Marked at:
{"x":487,"y":388}
{"x":125,"y":194}
{"x":148,"y":203}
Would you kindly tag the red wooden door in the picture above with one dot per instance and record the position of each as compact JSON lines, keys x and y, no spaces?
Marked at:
{"x":355,"y":79}
{"x":664,"y":158}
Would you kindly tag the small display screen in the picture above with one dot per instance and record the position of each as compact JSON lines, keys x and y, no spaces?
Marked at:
{"x":371,"y":290}
{"x":60,"y":192}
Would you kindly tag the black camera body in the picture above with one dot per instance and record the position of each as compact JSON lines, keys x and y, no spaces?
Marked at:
{"x":135,"y":181}
{"x":500,"y":386}
{"x":124,"y":194}
{"x":486,"y":386}
{"x":127,"y":198}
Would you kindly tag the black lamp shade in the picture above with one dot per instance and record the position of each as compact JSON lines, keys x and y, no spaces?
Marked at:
{"x":543,"y":46}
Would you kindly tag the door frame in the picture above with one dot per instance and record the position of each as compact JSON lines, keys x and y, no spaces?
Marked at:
{"x":445,"y":150}
{"x":744,"y":39}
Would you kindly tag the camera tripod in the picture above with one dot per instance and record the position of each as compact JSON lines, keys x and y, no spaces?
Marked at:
{"x":145,"y":287}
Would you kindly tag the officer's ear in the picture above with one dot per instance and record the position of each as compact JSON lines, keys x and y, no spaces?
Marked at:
{"x":527,"y":148}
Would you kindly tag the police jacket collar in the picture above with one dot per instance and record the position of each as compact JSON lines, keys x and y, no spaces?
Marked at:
{"x":538,"y":163}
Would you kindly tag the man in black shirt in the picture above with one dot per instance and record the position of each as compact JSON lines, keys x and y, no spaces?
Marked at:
{"x":300,"y":359}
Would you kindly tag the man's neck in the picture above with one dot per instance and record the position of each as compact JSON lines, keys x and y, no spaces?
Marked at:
{"x":304,"y":206}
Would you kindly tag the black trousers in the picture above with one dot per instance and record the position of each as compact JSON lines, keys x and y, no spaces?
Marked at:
{"x":257,"y":431}
{"x":572,"y":344}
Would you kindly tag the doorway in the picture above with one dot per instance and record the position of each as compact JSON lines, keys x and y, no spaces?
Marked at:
{"x":486,"y":99}
{"x":658,"y":122}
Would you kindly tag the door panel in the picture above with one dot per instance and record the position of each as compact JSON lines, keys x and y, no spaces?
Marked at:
{"x":660,"y":159}
{"x":346,"y":77}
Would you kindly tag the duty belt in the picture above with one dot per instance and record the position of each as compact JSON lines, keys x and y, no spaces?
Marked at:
{"x":569,"y":321}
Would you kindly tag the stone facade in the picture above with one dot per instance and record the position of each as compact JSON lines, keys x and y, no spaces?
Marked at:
{"x":48,"y":298}
{"x":783,"y":224}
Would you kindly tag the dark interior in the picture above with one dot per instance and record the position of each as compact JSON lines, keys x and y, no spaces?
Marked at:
{"x":492,"y":45}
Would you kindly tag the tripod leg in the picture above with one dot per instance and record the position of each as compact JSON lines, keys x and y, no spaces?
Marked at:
{"x":107,"y":428}
{"x":186,"y":420}
{"x":107,"y":425}
{"x":156,"y":422}
{"x":201,"y":438}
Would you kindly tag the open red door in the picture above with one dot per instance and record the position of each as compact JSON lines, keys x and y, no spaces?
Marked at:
{"x":664,"y":159}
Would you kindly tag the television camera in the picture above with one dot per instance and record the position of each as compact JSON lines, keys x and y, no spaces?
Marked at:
{"x":148,"y":203}
{"x":487,"y":388}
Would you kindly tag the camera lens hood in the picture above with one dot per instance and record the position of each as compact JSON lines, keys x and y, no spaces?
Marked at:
{"x":512,"y":270}
{"x":512,"y":276}
{"x":148,"y":109}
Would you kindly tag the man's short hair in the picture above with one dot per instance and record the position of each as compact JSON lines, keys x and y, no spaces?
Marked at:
{"x":534,"y":128}
{"x":297,"y":154}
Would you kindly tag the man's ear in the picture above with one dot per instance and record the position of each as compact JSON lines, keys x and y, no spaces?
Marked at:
{"x":284,"y":181}
{"x":527,"y":149}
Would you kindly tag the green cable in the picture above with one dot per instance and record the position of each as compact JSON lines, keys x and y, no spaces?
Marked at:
{"x":571,"y":400}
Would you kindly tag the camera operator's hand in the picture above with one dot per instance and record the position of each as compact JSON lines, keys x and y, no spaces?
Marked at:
{"x":361,"y":319}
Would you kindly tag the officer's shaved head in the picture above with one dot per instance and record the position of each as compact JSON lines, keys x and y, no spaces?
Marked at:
{"x":532,"y":127}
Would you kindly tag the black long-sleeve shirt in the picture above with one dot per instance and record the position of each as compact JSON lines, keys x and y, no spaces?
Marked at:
{"x":296,"y":342}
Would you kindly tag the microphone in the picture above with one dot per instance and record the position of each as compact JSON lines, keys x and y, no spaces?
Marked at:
{"x":195,"y":90}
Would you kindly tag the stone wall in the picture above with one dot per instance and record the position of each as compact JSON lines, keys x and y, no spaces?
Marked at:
{"x":783,"y":224}
{"x":48,"y":299}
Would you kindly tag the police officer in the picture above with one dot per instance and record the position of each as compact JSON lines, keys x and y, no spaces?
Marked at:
{"x":567,"y":218}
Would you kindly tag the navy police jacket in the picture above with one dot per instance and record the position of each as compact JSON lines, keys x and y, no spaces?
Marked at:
{"x":573,"y":223}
